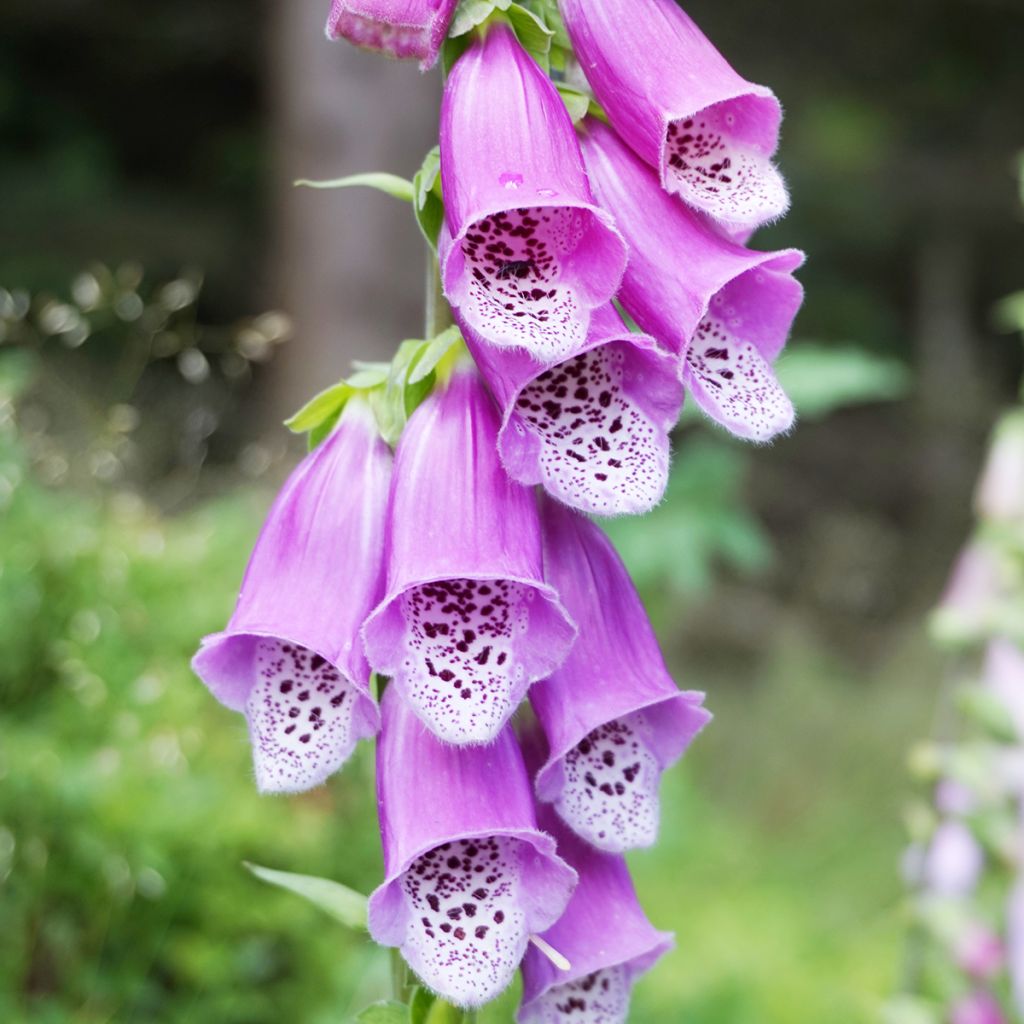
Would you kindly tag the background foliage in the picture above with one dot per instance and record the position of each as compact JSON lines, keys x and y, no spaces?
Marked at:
{"x":137,"y":456}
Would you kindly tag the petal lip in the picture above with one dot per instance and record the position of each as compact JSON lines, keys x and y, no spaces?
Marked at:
{"x":654,"y":381}
{"x":603,"y":926}
{"x":508,"y":144}
{"x":650,"y":65}
{"x":616,"y":644}
{"x":430,"y":793}
{"x":327,"y":521}
{"x":454,"y":514}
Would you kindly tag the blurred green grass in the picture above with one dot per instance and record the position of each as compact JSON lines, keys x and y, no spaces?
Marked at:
{"x":127,"y":807}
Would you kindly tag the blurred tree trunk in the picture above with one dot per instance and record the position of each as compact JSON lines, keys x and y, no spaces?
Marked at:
{"x":347,"y":264}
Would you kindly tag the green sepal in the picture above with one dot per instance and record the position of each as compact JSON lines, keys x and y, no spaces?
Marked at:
{"x":392,"y":184}
{"x":320,"y":414}
{"x":576,"y":102}
{"x":532,"y":33}
{"x":530,"y":28}
{"x":428,"y":204}
{"x":443,"y":1013}
{"x":384,"y":1013}
{"x":471,"y":13}
{"x":342,"y":903}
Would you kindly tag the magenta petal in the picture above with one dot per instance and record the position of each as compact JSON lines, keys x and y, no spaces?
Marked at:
{"x":605,"y":936}
{"x":290,"y":657}
{"x":525,"y":254}
{"x":977,"y":1008}
{"x":468,"y":876}
{"x":468,"y":622}
{"x":613,"y":717}
{"x":725,"y":309}
{"x":673,"y":97}
{"x":397,"y":28}
{"x":592,"y":428}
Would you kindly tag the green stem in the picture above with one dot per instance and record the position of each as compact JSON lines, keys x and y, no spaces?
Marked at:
{"x":438,"y":312}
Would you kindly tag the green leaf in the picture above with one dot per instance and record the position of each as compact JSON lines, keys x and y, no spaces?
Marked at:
{"x":384,"y":1013}
{"x":393,"y":185}
{"x":443,"y":1013}
{"x":432,"y":352}
{"x":820,"y":379}
{"x":985,"y":708}
{"x":427,"y":202}
{"x":1009,"y":313}
{"x":342,"y":903}
{"x":318,"y":434}
{"x":320,"y":407}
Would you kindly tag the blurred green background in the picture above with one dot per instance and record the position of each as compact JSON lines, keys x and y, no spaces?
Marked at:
{"x":165,"y":297}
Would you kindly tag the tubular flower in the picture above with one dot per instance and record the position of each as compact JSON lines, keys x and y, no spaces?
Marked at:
{"x":398,"y":28}
{"x":467,"y":623}
{"x":525,"y":254}
{"x":977,"y":1008}
{"x":290,"y":658}
{"x":724,"y":309}
{"x":673,"y":97}
{"x":468,"y":875}
{"x":613,"y":717}
{"x":592,"y":428}
{"x":605,"y":936}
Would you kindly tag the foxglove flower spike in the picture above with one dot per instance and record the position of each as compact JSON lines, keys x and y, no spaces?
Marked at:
{"x":709,"y":133}
{"x":592,"y":428}
{"x":525,"y":253}
{"x":397,"y":28}
{"x":605,"y":936}
{"x":290,"y":658}
{"x":468,"y":875}
{"x":467,"y":623}
{"x":726,"y":310}
{"x":613,"y":717}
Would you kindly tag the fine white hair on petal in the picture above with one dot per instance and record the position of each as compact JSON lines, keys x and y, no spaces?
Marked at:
{"x":610,"y":790}
{"x":466,"y":930}
{"x":518,"y":293}
{"x":300,"y":713}
{"x":461,"y":672}
{"x":599,"y":450}
{"x":598,"y":998}
{"x":711,"y":170}
{"x":733,"y":383}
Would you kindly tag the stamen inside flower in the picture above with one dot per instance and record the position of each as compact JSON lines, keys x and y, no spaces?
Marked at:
{"x":733,"y":383}
{"x":599,"y":450}
{"x":717,"y":173}
{"x":461,"y":673}
{"x":466,"y":930}
{"x":610,"y":790}
{"x":515,"y":261}
{"x":300,"y":713}
{"x":598,"y":998}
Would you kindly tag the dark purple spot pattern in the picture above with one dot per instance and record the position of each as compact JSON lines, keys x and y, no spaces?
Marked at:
{"x":517,"y":293}
{"x":460,"y":672}
{"x":610,"y":790}
{"x":300,"y":717}
{"x":715,"y":172}
{"x":599,"y":451}
{"x":735,"y":381}
{"x":598,"y":998}
{"x":466,"y":931}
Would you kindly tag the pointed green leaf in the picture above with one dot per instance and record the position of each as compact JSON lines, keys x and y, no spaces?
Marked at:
{"x":384,"y":1013}
{"x":432,"y":352}
{"x":393,"y":185}
{"x":342,"y":903}
{"x":318,"y":434}
{"x":320,"y":407}
{"x":427,"y":202}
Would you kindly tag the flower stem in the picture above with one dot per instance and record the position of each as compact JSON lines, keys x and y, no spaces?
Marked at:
{"x":438,"y":312}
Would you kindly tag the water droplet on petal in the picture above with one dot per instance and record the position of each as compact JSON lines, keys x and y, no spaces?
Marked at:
{"x":547,"y":193}
{"x":510,"y":180}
